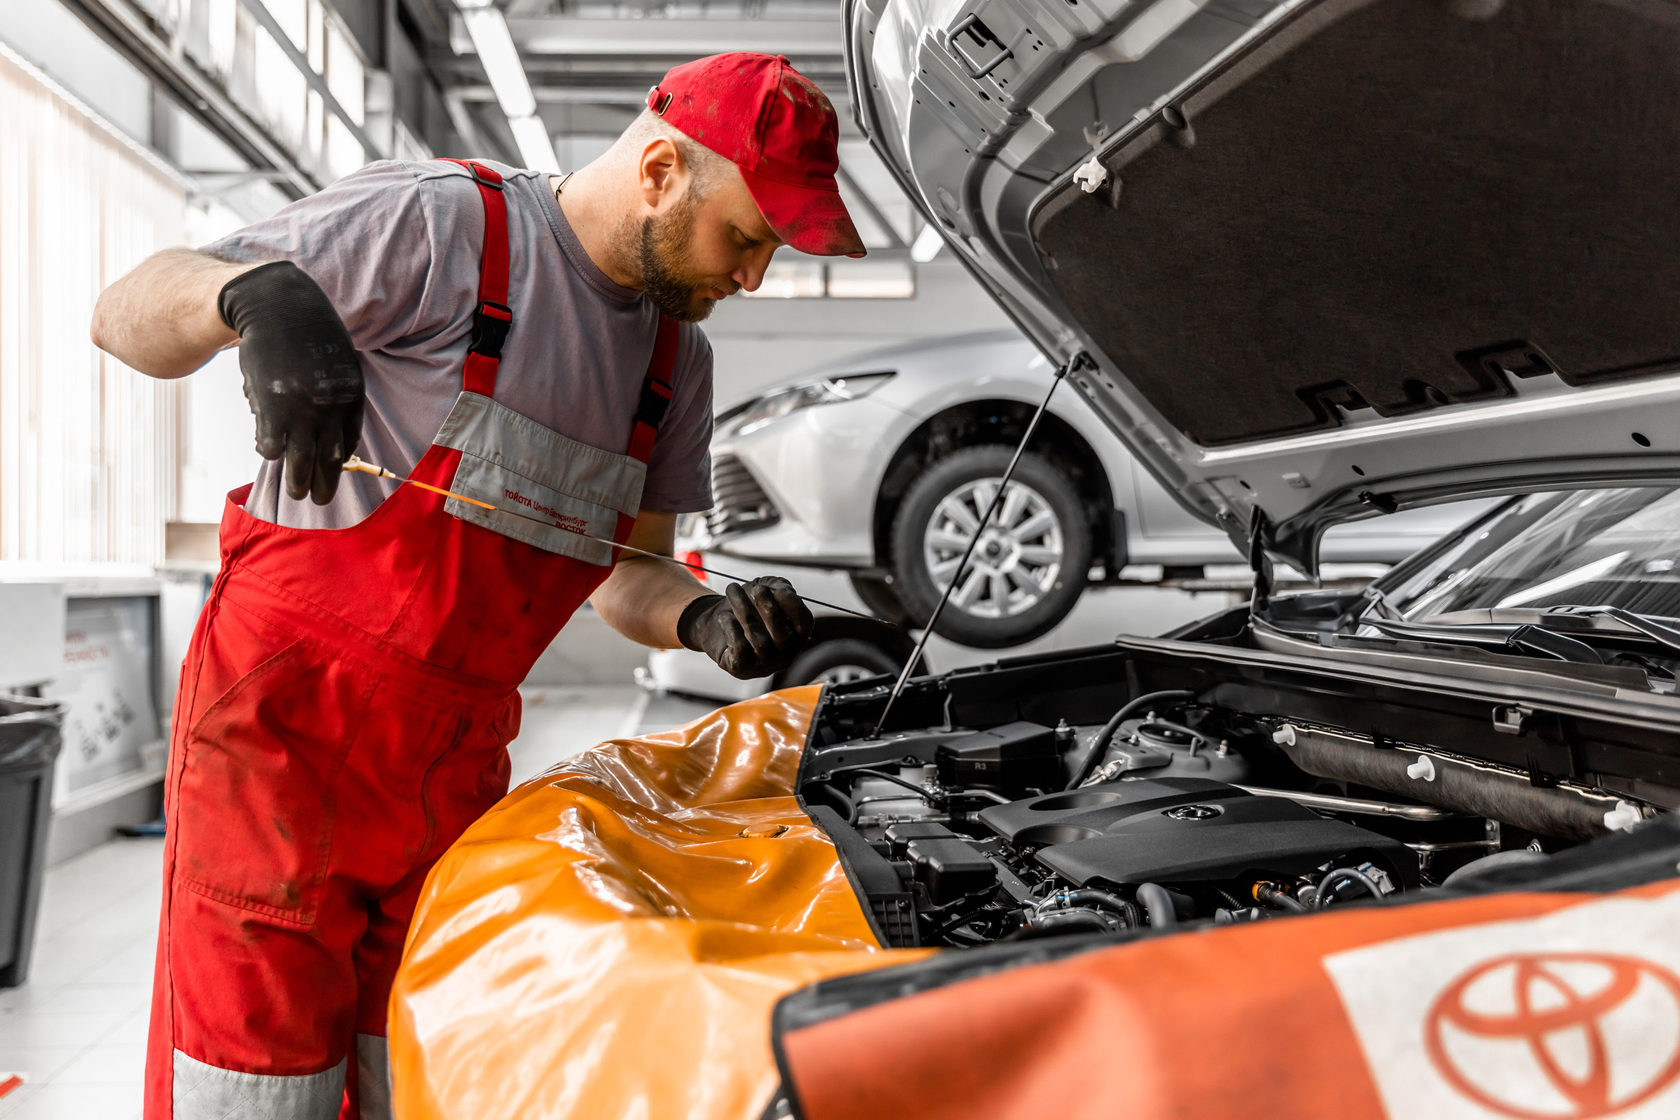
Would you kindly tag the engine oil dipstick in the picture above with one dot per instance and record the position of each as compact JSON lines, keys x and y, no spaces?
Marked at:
{"x":356,"y":464}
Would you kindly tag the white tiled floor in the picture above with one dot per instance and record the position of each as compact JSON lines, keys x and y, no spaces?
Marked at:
{"x":77,"y":1030}
{"x":559,"y":721}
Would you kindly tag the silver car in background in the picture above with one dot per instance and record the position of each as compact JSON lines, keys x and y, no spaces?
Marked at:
{"x":882,"y":466}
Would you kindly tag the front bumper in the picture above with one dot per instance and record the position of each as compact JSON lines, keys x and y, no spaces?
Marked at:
{"x":819,"y":471}
{"x":688,"y":673}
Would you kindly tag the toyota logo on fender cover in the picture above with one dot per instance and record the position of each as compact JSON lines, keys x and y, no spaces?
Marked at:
{"x":1543,"y":1015}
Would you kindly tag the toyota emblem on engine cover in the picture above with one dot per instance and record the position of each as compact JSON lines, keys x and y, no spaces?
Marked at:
{"x":1193,"y":812}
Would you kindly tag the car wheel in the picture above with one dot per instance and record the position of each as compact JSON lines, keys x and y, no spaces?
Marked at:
{"x":882,"y":600}
{"x":838,"y":661}
{"x":1029,"y":567}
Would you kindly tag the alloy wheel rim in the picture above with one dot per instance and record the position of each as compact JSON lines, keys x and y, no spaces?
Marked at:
{"x":1018,"y":559}
{"x":844,"y":674}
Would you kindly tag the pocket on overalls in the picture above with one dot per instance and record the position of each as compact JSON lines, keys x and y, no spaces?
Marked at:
{"x":551,"y":491}
{"x":255,"y":813}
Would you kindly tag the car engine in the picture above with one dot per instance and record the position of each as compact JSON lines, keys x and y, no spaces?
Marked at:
{"x":1171,"y":811}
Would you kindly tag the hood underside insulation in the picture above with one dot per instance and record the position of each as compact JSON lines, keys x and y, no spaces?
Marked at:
{"x":1391,"y":206}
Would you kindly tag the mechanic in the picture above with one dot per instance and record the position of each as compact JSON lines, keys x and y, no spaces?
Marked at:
{"x":349,"y":693}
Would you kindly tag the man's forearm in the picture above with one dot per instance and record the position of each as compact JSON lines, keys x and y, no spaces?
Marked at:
{"x":644,"y":597}
{"x":161,"y":318}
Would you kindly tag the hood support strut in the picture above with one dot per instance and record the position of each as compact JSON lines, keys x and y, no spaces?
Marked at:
{"x":1078,"y":361}
{"x":1259,"y":536}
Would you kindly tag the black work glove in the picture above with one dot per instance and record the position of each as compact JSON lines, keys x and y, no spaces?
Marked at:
{"x":752,"y":630}
{"x":302,"y":377}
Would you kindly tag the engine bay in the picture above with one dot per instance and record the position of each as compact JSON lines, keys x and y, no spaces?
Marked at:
{"x":1018,"y":814}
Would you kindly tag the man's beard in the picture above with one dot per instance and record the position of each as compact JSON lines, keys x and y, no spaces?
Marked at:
{"x":664,"y":258}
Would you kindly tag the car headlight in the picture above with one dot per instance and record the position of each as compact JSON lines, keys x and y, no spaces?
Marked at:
{"x":778,"y":403}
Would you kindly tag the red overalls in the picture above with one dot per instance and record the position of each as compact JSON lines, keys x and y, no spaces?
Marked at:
{"x":344,"y":713}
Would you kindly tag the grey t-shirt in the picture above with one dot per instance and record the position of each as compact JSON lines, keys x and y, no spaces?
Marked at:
{"x":395,"y":246}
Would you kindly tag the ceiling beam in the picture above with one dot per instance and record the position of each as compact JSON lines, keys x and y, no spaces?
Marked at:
{"x":585,"y":36}
{"x":606,"y":72}
{"x":265,"y":19}
{"x":895,"y":240}
{"x":128,"y":30}
{"x":431,"y":18}
{"x":634,"y":97}
{"x":467,"y":127}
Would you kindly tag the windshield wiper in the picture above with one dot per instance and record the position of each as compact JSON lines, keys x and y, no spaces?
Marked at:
{"x":1523,"y":637}
{"x":1659,"y":632}
{"x":1620,"y":621}
{"x":1529,"y":638}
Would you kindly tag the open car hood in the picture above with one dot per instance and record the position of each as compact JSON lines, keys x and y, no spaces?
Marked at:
{"x":1329,"y":258}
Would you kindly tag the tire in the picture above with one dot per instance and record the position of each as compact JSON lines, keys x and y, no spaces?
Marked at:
{"x":1018,"y":587}
{"x":882,"y":600}
{"x":838,"y":661}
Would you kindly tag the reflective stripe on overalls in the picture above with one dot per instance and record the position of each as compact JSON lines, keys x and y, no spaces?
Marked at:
{"x":344,"y":713}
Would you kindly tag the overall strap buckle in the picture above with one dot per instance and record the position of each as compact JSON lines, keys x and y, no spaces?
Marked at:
{"x":484,"y":175}
{"x":656,"y":392}
{"x":656,"y":398}
{"x":491,"y":323}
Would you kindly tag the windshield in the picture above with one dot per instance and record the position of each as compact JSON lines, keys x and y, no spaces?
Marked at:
{"x":1615,"y":548}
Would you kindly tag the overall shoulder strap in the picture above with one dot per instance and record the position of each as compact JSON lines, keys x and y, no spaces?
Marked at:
{"x":492,"y":318}
{"x":656,"y":391}
{"x":651,"y":406}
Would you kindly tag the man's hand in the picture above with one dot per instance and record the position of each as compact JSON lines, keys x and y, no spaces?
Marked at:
{"x":752,"y":630}
{"x":302,"y":377}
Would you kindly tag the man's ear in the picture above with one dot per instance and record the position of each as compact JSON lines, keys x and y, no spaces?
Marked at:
{"x":661,"y":172}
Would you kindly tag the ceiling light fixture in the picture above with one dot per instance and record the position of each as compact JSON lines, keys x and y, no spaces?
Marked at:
{"x":536,"y":147}
{"x":500,"y":58}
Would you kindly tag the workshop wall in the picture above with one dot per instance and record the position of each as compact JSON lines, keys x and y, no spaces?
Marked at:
{"x":87,"y":449}
{"x":761,"y":341}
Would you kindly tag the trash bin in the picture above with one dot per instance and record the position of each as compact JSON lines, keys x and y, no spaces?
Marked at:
{"x":31,"y":733}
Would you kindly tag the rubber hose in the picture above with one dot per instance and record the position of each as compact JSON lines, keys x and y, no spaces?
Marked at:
{"x":1157,"y":903}
{"x":843,"y":802}
{"x":1270,"y":894}
{"x":1346,"y":875}
{"x":1104,"y":900}
{"x":1062,"y":921}
{"x":1099,"y":745}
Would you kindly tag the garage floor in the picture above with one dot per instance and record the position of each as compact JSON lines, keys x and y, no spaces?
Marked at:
{"x":76,"y":1032}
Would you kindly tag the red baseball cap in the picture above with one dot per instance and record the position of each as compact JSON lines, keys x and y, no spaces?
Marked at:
{"x":772,"y":122}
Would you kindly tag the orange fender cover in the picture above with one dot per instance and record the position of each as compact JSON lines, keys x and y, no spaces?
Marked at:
{"x":610,"y":939}
{"x":1521,"y":1005}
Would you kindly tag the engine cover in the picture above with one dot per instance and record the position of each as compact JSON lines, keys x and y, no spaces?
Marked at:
{"x":1184,"y":830}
